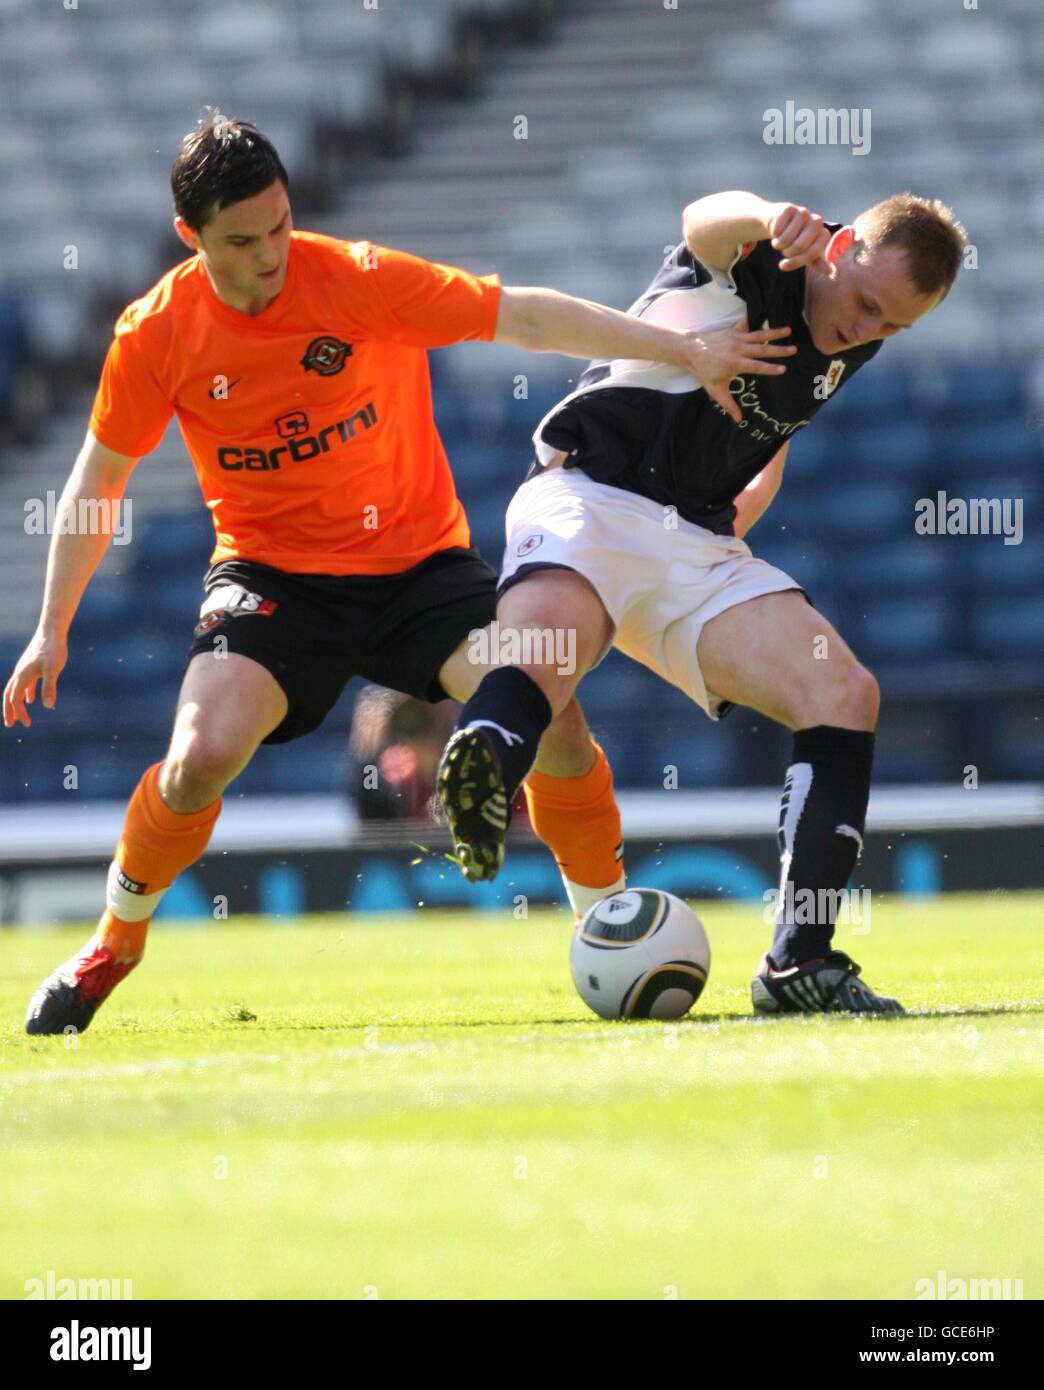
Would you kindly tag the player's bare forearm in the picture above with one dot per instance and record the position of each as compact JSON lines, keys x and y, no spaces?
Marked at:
{"x":714,"y":226}
{"x":543,"y":320}
{"x":98,"y":480}
{"x":756,"y":498}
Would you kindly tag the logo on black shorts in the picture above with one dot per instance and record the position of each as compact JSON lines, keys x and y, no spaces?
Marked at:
{"x":210,"y":620}
{"x":529,"y":544}
{"x":326,"y":355}
{"x":231,"y":601}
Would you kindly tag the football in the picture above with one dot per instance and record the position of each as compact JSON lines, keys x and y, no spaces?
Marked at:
{"x":640,"y":954}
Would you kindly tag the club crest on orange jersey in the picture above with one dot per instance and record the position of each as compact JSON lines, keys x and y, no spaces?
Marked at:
{"x":326,"y":355}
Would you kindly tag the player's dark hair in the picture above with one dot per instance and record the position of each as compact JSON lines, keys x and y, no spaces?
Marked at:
{"x":927,"y":232}
{"x":219,"y":163}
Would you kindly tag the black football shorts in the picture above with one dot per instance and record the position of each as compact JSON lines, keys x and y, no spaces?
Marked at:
{"x":314,"y":632}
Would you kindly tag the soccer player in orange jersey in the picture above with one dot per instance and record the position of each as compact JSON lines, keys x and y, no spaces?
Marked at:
{"x":296,"y":366}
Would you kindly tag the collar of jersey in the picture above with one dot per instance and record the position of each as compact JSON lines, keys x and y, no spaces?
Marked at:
{"x":275,"y":311}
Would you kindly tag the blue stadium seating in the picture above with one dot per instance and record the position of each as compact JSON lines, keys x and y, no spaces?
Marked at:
{"x":1009,"y":629}
{"x":886,"y":627}
{"x":988,"y":566}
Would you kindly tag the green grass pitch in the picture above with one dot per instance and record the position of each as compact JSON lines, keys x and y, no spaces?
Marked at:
{"x":354,"y":1108}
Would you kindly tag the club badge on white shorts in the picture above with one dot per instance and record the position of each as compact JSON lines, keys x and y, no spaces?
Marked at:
{"x":527,"y":546}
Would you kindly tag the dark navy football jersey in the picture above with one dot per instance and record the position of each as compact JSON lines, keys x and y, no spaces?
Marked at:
{"x":651,"y":428}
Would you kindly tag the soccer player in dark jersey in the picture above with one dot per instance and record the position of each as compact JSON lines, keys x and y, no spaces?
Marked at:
{"x":296,"y":366}
{"x":629,"y":530}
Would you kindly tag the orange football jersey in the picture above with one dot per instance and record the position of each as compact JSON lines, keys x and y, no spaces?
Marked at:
{"x":309,"y":425}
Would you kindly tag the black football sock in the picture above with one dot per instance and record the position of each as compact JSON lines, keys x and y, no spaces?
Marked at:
{"x":821,"y":823}
{"x":511,"y":708}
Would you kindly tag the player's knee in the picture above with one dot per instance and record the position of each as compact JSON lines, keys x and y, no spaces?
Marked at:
{"x":853,"y":699}
{"x":197,"y":770}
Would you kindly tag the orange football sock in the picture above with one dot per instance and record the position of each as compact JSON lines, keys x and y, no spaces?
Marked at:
{"x":156,"y":845}
{"x":579,"y":821}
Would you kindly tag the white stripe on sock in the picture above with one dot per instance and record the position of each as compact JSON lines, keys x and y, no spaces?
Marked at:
{"x":796,"y":788}
{"x":127,"y":906}
{"x":583,"y":899}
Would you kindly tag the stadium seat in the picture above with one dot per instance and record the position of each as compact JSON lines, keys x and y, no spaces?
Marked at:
{"x":182,"y":539}
{"x":1018,"y":742}
{"x":972,"y":53}
{"x":874,"y":392}
{"x":974,"y":388}
{"x":110,"y":772}
{"x":862,"y":507}
{"x":237,"y":32}
{"x":886,"y":627}
{"x":977,"y":446}
{"x":916,"y":753}
{"x":123,"y":660}
{"x":987,"y":566}
{"x":891,"y":446}
{"x":1010,"y":629}
{"x":105,"y":608}
{"x":696,"y":749}
{"x":422,"y":42}
{"x":317,"y":764}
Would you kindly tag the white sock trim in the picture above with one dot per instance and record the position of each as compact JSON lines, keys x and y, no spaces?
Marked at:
{"x":128,"y":906}
{"x":583,"y":899}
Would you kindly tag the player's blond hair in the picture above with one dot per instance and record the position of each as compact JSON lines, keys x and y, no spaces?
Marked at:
{"x":926,"y":231}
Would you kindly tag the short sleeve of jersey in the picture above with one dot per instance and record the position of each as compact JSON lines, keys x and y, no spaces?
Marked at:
{"x":131,"y":411}
{"x":754,"y":273}
{"x":427,"y":305}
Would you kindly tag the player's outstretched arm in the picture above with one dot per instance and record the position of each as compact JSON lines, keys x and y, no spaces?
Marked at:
{"x":98,"y":474}
{"x":756,"y":498}
{"x":543,"y":320}
{"x":714,"y":226}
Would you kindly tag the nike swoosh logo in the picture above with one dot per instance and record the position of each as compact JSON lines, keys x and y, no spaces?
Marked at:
{"x":228,"y":388}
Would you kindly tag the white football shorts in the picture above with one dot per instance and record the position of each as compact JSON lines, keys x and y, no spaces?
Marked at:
{"x":660,"y":577}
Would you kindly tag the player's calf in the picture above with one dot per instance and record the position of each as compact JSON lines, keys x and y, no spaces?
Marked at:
{"x":779,"y":656}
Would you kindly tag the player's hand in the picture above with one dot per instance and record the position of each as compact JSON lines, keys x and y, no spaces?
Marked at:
{"x":798,"y":235}
{"x":715,"y":357}
{"x":43,"y":660}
